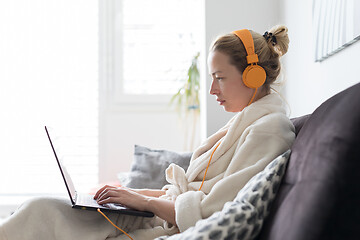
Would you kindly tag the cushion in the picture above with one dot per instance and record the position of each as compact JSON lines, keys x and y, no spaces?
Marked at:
{"x":299,"y":122}
{"x":320,"y":192}
{"x":243,"y":217}
{"x":149,"y":165}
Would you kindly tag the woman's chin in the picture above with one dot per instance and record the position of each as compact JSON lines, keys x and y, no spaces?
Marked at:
{"x":228,"y":109}
{"x":232,"y":109}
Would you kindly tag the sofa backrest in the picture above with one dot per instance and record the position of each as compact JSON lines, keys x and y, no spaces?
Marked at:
{"x":319,"y":196}
{"x":299,"y":122}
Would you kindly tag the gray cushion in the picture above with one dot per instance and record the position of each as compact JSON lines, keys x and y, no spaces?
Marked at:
{"x":149,"y":165}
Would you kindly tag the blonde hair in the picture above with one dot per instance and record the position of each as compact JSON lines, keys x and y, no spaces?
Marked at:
{"x":268,"y":51}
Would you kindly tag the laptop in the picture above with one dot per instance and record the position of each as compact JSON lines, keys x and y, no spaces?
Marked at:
{"x":86,"y":201}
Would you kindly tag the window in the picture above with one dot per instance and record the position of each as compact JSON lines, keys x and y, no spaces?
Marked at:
{"x":153,"y":44}
{"x":49,"y":76}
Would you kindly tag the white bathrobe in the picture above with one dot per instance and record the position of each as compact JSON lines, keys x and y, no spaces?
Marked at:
{"x":248,"y":142}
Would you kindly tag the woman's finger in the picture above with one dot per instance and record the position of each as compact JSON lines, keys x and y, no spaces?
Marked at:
{"x":99,"y":191}
{"x":102,"y":190}
{"x":124,"y":196}
{"x":118,"y":192}
{"x":103,"y":193}
{"x":107,"y":193}
{"x":109,"y":200}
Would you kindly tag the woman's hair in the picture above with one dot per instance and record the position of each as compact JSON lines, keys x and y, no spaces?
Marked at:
{"x":269,"y":49}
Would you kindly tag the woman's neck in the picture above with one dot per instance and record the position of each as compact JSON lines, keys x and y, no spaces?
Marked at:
{"x":261,"y":92}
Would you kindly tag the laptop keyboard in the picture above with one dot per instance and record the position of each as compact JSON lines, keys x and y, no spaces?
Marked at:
{"x":88,"y":200}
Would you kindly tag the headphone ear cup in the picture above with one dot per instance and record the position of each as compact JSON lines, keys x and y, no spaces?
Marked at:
{"x":254,"y":76}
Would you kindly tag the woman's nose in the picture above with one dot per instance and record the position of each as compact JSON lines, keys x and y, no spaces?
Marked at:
{"x":213,"y":88}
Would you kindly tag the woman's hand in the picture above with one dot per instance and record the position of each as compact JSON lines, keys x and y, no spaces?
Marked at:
{"x":122,"y":195}
{"x":162,"y":208}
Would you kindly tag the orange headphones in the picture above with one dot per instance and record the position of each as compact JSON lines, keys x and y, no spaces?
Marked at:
{"x":254,"y":76}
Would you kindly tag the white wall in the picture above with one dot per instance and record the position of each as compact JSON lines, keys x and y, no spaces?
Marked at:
{"x":309,"y":83}
{"x":222,"y":17}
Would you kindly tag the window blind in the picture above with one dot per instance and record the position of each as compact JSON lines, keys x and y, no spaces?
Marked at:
{"x":160,"y":38}
{"x":49,"y":74}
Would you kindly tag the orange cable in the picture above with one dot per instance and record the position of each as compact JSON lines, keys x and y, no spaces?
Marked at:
{"x":114,"y":224}
{"x":208,"y":166}
{"x":202,"y":183}
{"x":252,"y":97}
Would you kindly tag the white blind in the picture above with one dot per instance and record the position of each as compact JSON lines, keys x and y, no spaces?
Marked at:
{"x":49,"y":72}
{"x":160,"y":38}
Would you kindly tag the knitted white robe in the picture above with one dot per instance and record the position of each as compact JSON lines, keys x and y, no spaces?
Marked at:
{"x":249,"y":141}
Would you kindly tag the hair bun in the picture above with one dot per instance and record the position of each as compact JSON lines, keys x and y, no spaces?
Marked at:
{"x":279,"y":39}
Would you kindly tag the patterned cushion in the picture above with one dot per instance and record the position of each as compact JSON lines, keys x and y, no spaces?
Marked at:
{"x":243,"y":217}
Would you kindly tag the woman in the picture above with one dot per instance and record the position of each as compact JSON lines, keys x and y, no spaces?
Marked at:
{"x":219,"y":168}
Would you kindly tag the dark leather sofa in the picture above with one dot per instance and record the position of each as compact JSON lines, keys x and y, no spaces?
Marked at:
{"x":319,"y":197}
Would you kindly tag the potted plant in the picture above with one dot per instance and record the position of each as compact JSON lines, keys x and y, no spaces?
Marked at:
{"x":187,"y":103}
{"x":187,"y":97}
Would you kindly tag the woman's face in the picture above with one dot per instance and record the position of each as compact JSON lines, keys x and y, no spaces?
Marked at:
{"x":227,"y":84}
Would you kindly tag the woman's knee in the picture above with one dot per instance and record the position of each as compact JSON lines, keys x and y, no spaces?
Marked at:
{"x":43,"y":204}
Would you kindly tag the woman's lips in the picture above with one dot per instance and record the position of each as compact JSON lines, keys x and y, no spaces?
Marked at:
{"x":221,"y":102}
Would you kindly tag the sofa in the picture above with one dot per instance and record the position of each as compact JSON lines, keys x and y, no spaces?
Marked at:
{"x":319,"y":196}
{"x":319,"y":190}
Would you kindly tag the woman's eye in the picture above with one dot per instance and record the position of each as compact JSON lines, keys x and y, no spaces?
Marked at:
{"x":219,"y":78}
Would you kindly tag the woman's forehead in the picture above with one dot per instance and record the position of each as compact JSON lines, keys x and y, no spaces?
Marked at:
{"x":217,"y":55}
{"x":218,"y":62}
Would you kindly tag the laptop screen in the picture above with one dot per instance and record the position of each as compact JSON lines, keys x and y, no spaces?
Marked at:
{"x":68,"y":182}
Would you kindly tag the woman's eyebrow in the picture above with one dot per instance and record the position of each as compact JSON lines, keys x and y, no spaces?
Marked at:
{"x":215,"y":72}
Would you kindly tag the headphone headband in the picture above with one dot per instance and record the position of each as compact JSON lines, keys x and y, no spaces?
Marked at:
{"x":247,"y":40}
{"x":254,"y":75}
